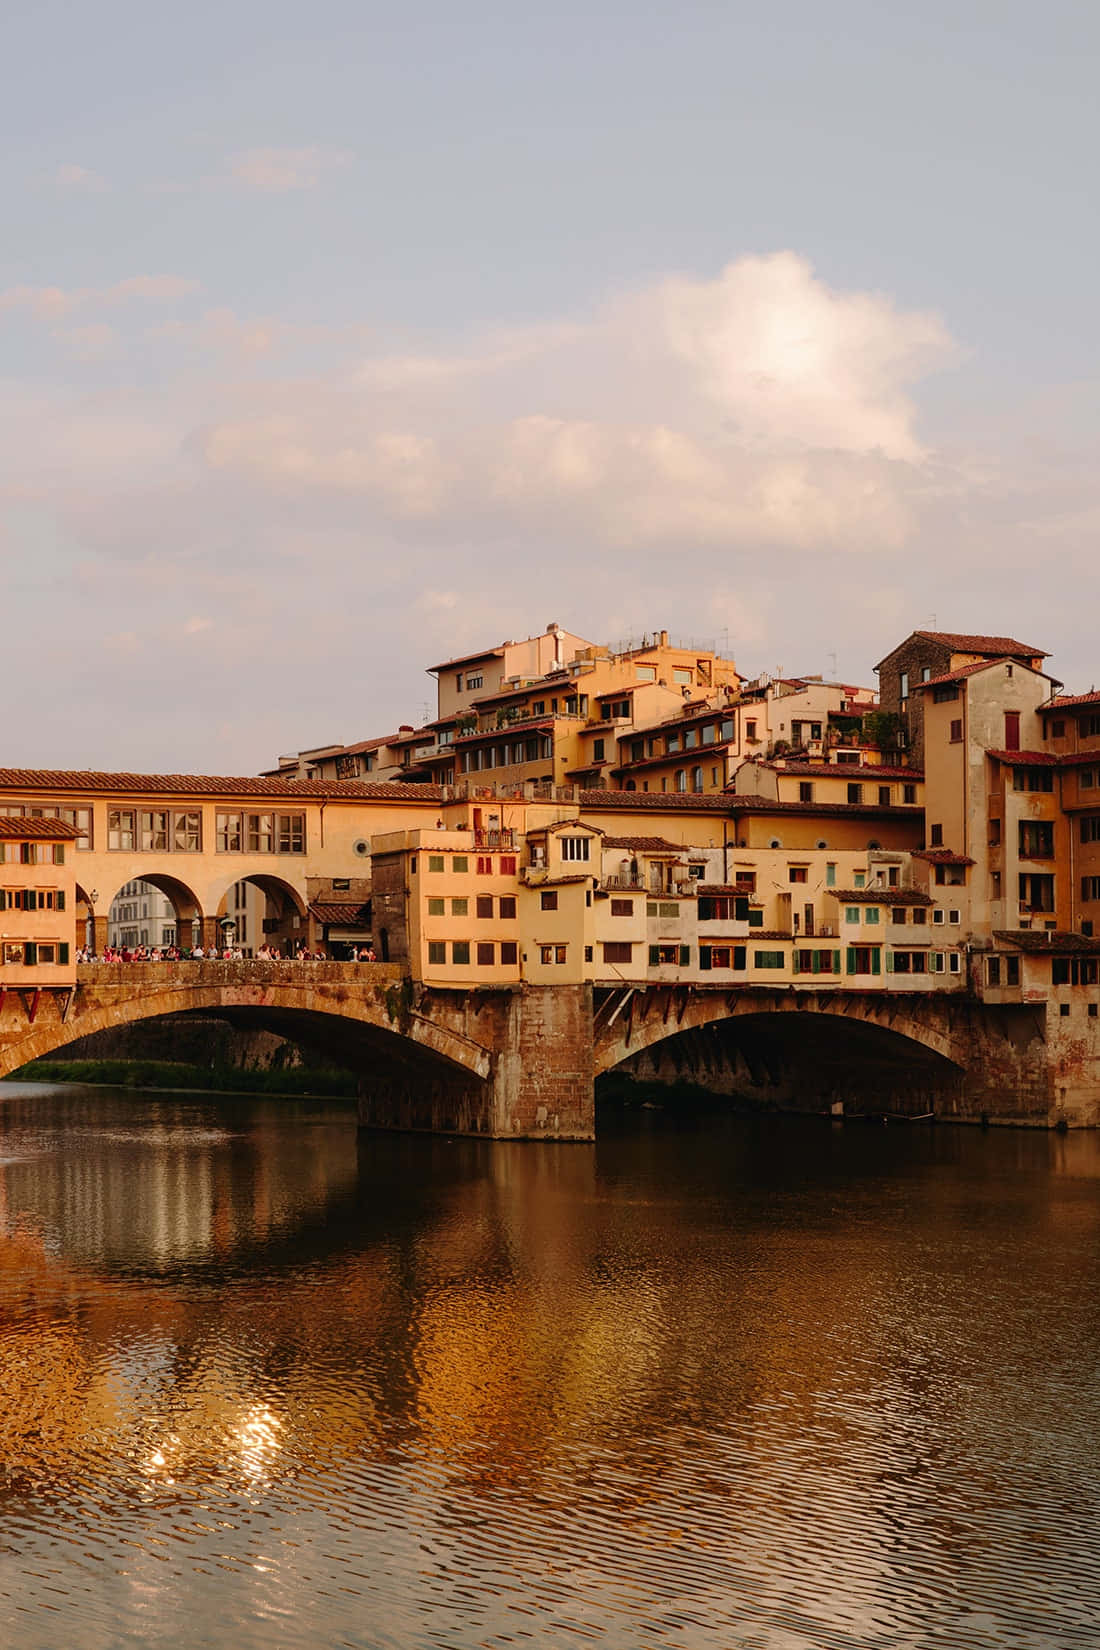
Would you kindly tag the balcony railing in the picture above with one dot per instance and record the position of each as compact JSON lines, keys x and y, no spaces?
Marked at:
{"x":504,"y":838}
{"x":625,"y":884}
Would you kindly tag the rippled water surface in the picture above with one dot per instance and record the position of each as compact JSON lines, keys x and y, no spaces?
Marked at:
{"x":780,"y":1385}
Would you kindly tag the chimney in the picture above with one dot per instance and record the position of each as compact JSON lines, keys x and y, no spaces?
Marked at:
{"x":664,"y":638}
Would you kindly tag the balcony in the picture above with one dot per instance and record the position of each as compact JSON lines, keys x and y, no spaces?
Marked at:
{"x":624,"y":884}
{"x":505,"y":839}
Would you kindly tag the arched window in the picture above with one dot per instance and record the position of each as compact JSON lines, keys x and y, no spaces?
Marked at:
{"x":696,"y":779}
{"x":631,"y":785}
{"x":681,"y":779}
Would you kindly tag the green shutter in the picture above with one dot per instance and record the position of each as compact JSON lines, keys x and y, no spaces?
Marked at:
{"x":685,"y":956}
{"x":836,"y":962}
{"x":815,"y":961}
{"x":876,"y":960}
{"x":30,"y":954}
{"x":889,"y":962}
{"x":741,"y":908}
{"x":63,"y":955}
{"x":60,"y":899}
{"x":59,"y":853}
{"x":851,"y":960}
{"x":654,"y":956}
{"x":704,"y":957}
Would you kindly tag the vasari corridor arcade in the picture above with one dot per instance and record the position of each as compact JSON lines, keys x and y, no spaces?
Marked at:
{"x":806,"y":894}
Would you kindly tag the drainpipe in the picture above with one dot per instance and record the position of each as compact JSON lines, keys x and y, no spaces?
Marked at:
{"x":725,"y":853}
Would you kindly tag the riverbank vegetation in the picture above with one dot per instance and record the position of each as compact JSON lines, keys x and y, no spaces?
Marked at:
{"x":176,"y":1074}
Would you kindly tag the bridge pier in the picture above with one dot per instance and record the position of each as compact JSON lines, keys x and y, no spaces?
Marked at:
{"x":539,"y":1084}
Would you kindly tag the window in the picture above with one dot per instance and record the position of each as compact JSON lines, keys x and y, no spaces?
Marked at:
{"x":697,"y":780}
{"x":435,"y":863}
{"x":575,"y":847}
{"x":956,"y":731}
{"x":460,"y":952}
{"x":750,"y":732}
{"x":864,"y":959}
{"x":460,"y":863}
{"x":229,"y":837}
{"x":855,"y":793}
{"x":597,"y":750}
{"x":548,"y":901}
{"x":1090,"y":828}
{"x":290,"y":833}
{"x":486,"y":953}
{"x":508,"y":907}
{"x":909,"y":793}
{"x":919,"y":915}
{"x":645,"y":673}
{"x":954,"y":918}
{"x":816,"y":962}
{"x":476,"y":680}
{"x":437,"y":951}
{"x":1036,"y":839}
{"x":260,"y":832}
{"x":993,"y":970}
{"x":484,"y":905}
{"x":871,"y":914}
{"x":120,"y":829}
{"x":935,"y":836}
{"x":903,"y":685}
{"x":507,"y":865}
{"x":622,"y":907}
{"x":768,"y":959}
{"x":797,"y":873}
{"x":681,"y":779}
{"x":830,"y":875}
{"x":1012,"y":730}
{"x":509,"y":953}
{"x":437,"y":907}
{"x":484,"y":865}
{"x":859,"y":880}
{"x":954,"y":962}
{"x":805,"y":790}
{"x":851,"y":913}
{"x":1036,"y":892}
{"x":617,"y":951}
{"x":898,"y":916}
{"x":1032,"y":779}
{"x":938,"y":916}
{"x":552,"y":954}
{"x":1086,"y":779}
{"x":885,"y":792}
{"x":1090,"y":888}
{"x":691,"y":738}
{"x":945,"y":693}
{"x":681,"y":677}
{"x":1012,"y":970}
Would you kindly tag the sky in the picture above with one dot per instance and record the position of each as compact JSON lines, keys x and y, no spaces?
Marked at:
{"x":337,"y":340}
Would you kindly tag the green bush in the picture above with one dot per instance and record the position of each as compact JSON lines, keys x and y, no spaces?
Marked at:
{"x":169,"y":1074}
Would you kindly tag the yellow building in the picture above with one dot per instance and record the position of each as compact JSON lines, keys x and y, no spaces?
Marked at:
{"x":37,"y":900}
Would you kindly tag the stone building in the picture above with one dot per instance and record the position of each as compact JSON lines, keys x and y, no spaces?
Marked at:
{"x":935,"y":653}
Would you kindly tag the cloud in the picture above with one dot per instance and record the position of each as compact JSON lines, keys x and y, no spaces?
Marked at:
{"x":51,"y":303}
{"x":79,"y":179}
{"x":759,"y":408}
{"x":279,"y":171}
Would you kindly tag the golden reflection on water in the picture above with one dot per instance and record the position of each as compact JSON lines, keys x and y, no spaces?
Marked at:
{"x":766,"y":1385}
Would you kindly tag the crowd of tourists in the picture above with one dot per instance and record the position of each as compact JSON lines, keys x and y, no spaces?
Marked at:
{"x":198,"y":953}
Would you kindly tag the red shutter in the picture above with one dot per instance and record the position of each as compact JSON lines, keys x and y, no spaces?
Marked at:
{"x":1012,"y":730}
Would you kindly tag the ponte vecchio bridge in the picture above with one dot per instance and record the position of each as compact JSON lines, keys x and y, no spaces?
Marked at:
{"x":516,"y":1061}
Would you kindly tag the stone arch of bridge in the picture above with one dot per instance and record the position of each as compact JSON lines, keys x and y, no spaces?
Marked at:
{"x":922,"y":1020}
{"x":185,"y":903}
{"x":282,"y":902}
{"x":354,"y":1023}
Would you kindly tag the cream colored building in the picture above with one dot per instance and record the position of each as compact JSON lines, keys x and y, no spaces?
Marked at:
{"x":37,"y":901}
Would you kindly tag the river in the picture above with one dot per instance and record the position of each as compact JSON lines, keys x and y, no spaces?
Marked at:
{"x":779,"y":1384}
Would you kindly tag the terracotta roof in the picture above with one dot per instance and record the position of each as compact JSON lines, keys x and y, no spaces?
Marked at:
{"x":532,"y":724}
{"x":333,"y":915}
{"x":1028,"y":759}
{"x":468,"y":659}
{"x":686,"y":759}
{"x":642,"y":844}
{"x":942,"y":856}
{"x":1067,"y":701}
{"x":1004,"y":647}
{"x":742,"y":889}
{"x":881,"y":896}
{"x":48,"y":830}
{"x":1040,"y":939}
{"x":842,"y":770}
{"x":991,"y":645}
{"x":22,"y":780}
{"x":728,"y":802}
{"x":961,"y":674}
